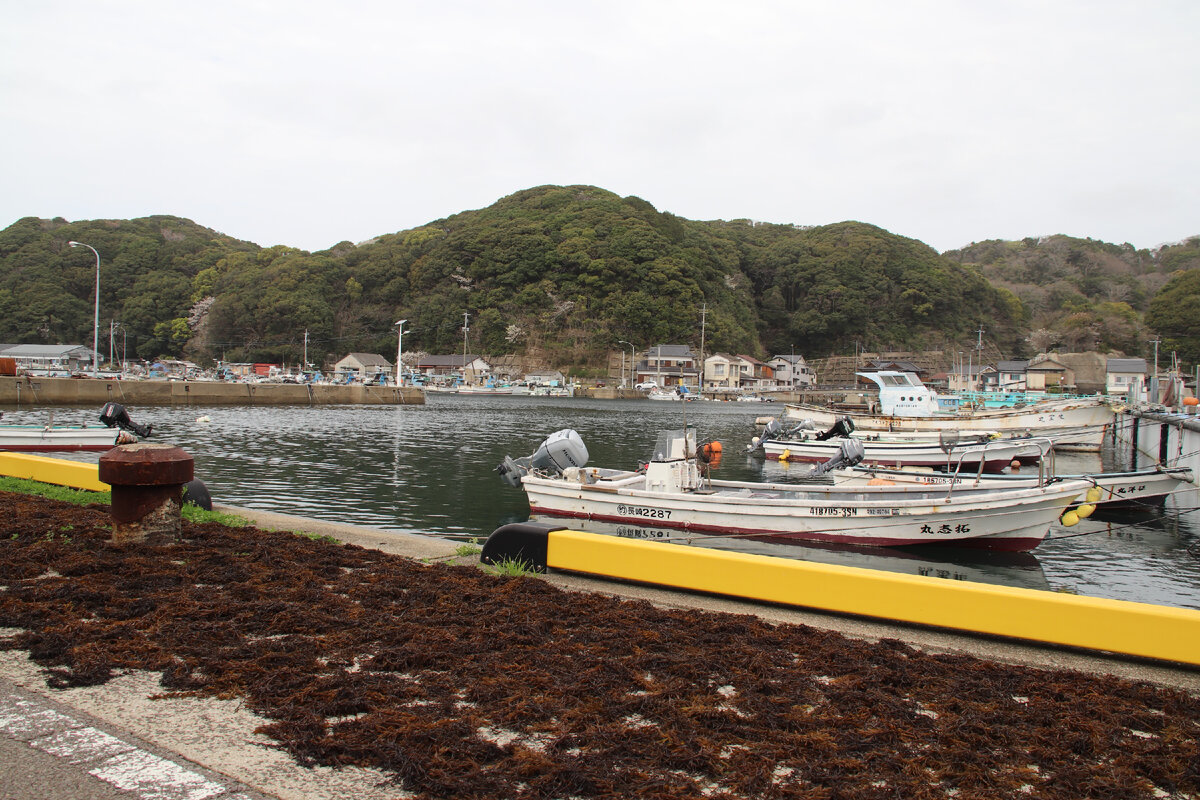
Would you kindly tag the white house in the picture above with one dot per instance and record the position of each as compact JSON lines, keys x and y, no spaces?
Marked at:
{"x":725,"y":372}
{"x":1123,"y":374}
{"x":792,"y":372}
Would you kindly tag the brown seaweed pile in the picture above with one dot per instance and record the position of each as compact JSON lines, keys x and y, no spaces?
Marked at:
{"x":465,"y":685}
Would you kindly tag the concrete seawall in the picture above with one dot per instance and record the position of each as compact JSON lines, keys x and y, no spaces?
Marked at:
{"x":31,"y":392}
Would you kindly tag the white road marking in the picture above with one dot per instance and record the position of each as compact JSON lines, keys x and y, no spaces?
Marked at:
{"x":111,"y":759}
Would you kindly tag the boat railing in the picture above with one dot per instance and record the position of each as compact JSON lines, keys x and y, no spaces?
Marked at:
{"x":1045,"y":447}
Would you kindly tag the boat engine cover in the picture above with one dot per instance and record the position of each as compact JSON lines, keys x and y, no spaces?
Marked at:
{"x":561,"y":449}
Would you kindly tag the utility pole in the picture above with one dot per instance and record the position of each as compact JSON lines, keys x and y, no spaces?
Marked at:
{"x":703,"y":315}
{"x":466,"y":328}
{"x":1154,"y":380}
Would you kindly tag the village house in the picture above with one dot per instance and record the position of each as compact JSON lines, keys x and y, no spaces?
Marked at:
{"x":725,"y":372}
{"x":363,"y":366}
{"x":791,"y":372}
{"x":1045,"y":373}
{"x":1124,"y":374}
{"x":668,"y":365}
{"x":49,"y":358}
{"x":469,"y":368}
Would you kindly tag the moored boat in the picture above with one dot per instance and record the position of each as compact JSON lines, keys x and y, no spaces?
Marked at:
{"x":73,"y":438}
{"x":1130,"y":490}
{"x":673,"y":491}
{"x":906,"y":404}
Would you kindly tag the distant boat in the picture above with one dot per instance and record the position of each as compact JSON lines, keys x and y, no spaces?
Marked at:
{"x":906,"y":404}
{"x":73,"y":438}
{"x":485,"y":389}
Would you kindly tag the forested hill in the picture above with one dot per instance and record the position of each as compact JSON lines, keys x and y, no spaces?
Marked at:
{"x":1082,"y":294}
{"x":559,"y":273}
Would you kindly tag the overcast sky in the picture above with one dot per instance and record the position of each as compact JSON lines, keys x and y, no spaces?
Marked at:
{"x":305,"y":124}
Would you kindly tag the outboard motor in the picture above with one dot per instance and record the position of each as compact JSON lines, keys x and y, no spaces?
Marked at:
{"x":851,"y":453}
{"x":775,"y":430}
{"x":114,"y":415}
{"x":561,"y":449}
{"x":842,"y":427}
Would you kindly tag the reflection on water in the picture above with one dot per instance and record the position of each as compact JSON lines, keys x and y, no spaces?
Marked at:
{"x":431,"y":469}
{"x":950,"y":563}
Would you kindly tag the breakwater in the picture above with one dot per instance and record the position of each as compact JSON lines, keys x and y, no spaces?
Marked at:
{"x":29,"y":392}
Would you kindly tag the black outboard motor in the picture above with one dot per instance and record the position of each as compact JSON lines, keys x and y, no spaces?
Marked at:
{"x":114,"y":416}
{"x":842,"y":427}
{"x":851,"y":453}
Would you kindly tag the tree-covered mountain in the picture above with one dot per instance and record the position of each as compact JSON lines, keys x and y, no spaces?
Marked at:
{"x":560,"y":274}
{"x":1081,"y":294}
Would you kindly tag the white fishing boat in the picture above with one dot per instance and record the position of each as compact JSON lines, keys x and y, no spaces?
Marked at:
{"x":73,"y":438}
{"x":800,"y":442}
{"x":1129,"y":490}
{"x":906,"y":404}
{"x":994,"y":456}
{"x":673,"y":491}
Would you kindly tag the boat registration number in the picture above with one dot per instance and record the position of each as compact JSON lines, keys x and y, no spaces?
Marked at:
{"x":644,"y":511}
{"x":850,"y":511}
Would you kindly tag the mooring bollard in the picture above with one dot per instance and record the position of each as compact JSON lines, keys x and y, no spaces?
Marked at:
{"x":147,"y":490}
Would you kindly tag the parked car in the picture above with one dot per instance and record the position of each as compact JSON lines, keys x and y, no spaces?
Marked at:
{"x":646,"y":386}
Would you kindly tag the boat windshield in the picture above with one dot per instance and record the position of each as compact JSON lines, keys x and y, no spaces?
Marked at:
{"x":675,"y":444}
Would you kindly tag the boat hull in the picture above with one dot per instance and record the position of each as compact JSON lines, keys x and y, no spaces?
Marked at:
{"x":1121,"y":491}
{"x":1086,"y":421}
{"x":34,"y":439}
{"x":994,"y":456}
{"x":1013,"y":520}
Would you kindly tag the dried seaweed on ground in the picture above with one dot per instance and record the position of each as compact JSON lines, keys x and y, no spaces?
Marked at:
{"x":465,"y":685}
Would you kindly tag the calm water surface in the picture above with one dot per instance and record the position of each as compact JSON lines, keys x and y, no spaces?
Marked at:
{"x":431,"y":470}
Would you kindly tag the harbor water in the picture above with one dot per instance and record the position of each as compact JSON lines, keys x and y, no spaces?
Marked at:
{"x":430,"y":469}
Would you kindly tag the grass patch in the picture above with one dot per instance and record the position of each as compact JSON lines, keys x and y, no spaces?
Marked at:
{"x":511,"y":568}
{"x":317,"y":537}
{"x":465,"y":550}
{"x":79,"y":497}
{"x":194,"y":513}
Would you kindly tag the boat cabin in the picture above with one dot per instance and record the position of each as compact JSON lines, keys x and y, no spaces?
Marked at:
{"x":902,"y":394}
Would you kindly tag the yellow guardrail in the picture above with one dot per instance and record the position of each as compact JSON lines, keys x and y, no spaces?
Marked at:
{"x":58,"y":471}
{"x":1117,"y":626}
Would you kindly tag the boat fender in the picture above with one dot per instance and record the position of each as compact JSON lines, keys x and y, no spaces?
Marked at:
{"x":785,"y":455}
{"x":196,"y":493}
{"x":1070,"y":518}
{"x":1094,"y":494}
{"x":1084,"y":511}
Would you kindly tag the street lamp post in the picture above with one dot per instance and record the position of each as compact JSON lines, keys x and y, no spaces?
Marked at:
{"x":96,"y":321}
{"x":399,"y":351}
{"x":631,"y":359}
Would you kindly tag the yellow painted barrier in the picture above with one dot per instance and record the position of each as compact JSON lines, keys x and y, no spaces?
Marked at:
{"x":58,"y":471}
{"x":1135,"y":629}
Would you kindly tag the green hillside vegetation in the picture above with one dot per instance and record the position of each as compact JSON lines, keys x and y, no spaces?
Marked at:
{"x":1081,"y":294}
{"x":560,"y":274}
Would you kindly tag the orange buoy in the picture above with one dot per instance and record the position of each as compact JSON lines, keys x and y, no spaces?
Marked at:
{"x":1191,"y":401}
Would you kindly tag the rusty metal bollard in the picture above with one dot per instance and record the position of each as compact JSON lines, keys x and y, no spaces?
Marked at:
{"x":147,"y":490}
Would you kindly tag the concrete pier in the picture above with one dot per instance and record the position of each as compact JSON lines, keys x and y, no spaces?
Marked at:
{"x":32,"y":392}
